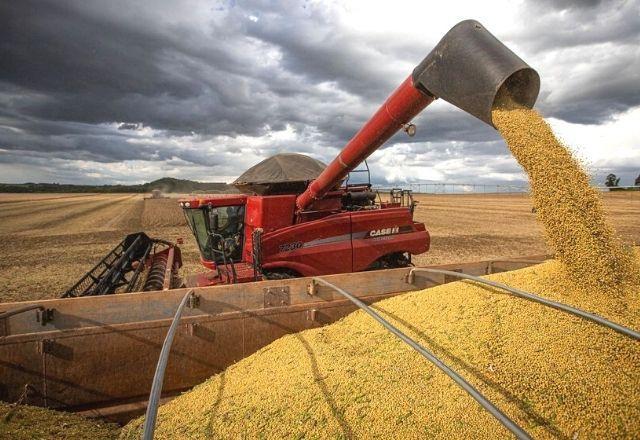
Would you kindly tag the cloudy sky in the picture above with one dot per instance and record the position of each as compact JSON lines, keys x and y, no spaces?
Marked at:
{"x":121,"y":91}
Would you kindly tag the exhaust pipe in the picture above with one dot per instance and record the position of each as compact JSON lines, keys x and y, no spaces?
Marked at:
{"x":469,"y":67}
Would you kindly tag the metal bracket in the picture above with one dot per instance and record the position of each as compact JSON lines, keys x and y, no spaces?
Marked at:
{"x":198,"y":330}
{"x":194,"y":301}
{"x":277,"y":296}
{"x":44,"y":346}
{"x":410,"y":277}
{"x":312,"y":315}
{"x":312,"y":288}
{"x":44,"y":316}
{"x":192,"y":328}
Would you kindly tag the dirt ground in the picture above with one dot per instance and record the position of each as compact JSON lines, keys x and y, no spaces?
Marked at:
{"x":48,"y":241}
{"x":47,"y":244}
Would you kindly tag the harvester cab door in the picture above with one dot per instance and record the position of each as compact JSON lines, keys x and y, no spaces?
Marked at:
{"x":219,"y":232}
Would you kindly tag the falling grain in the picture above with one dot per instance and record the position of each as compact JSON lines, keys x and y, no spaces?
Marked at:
{"x":568,"y":207}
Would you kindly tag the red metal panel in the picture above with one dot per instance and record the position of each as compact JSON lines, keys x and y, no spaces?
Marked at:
{"x":270,"y":212}
{"x":312,"y":248}
{"x":381,"y":232}
{"x":266,"y":212}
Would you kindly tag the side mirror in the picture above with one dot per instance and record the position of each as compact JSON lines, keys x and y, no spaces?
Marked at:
{"x":213,"y":220}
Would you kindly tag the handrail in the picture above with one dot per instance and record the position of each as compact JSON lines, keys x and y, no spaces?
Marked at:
{"x":16,"y":311}
{"x":158,"y":377}
{"x":535,"y":298}
{"x":483,"y":401}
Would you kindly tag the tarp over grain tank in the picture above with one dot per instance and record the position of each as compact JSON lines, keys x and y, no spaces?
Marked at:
{"x":286,"y":173}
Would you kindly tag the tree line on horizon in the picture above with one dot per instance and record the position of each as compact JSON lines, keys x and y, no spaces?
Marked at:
{"x":166,"y":184}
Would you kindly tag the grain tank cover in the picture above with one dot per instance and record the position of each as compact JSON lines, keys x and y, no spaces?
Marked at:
{"x":287,"y":173}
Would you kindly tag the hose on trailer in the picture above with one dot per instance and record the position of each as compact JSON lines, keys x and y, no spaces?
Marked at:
{"x":158,"y":378}
{"x":483,"y":401}
{"x":535,"y":298}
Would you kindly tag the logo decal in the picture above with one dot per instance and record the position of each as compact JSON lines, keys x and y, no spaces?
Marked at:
{"x":383,"y":231}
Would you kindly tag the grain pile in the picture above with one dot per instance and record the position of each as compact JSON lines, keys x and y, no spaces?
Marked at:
{"x":556,"y":375}
{"x":568,"y":207}
{"x":24,"y":422}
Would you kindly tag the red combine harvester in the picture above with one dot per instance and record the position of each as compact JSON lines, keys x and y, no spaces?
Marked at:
{"x":251,"y":237}
{"x":310,"y":225}
{"x":297,"y":218}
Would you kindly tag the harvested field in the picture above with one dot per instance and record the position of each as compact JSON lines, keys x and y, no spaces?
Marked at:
{"x":23,"y":198}
{"x":162,"y":213}
{"x":46,"y":244}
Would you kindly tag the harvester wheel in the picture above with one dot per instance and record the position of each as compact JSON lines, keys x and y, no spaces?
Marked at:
{"x":392,"y":261}
{"x":281,"y":274}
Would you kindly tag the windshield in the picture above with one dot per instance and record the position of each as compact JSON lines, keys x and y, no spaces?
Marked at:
{"x":216,"y":230}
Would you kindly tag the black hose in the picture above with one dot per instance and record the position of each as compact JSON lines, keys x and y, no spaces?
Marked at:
{"x":535,"y":298}
{"x":158,"y":378}
{"x":486,"y":404}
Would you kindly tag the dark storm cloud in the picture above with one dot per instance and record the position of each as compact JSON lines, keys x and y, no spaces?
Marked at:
{"x":177,"y":82}
{"x":593,"y":57}
{"x":570,"y":4}
{"x":93,"y":68}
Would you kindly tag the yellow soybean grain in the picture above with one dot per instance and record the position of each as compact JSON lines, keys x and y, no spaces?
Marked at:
{"x":556,"y":375}
{"x":23,"y":422}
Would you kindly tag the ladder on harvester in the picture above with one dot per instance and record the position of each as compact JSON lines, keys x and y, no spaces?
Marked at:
{"x":110,"y":273}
